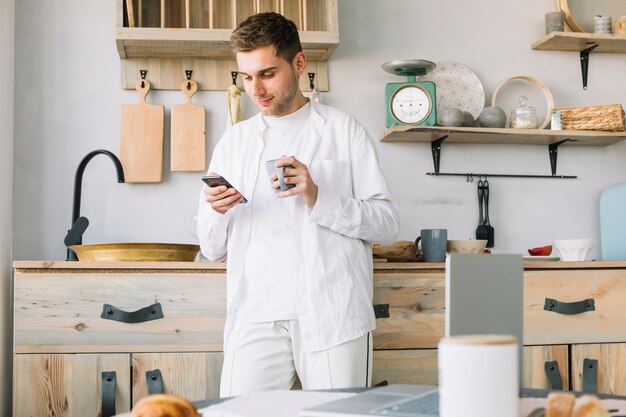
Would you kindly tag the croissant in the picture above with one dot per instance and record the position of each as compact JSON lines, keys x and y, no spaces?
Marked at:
{"x":163,"y":405}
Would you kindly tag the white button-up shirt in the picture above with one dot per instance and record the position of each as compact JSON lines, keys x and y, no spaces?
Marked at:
{"x":354,"y":209}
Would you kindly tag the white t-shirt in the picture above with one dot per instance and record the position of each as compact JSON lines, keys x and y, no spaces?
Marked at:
{"x":270,"y":272}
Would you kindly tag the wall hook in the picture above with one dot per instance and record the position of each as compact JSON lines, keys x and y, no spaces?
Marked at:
{"x":233,"y":75}
{"x":143,"y":74}
{"x":188,"y":75}
{"x":311,"y":78}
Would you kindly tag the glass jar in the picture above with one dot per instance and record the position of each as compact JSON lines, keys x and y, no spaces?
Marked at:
{"x":524,"y":116}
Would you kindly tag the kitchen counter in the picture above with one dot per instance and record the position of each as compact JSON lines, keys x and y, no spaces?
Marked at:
{"x":221,"y":266}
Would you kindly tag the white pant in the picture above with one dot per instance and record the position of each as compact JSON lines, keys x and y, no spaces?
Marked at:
{"x":267,"y":356}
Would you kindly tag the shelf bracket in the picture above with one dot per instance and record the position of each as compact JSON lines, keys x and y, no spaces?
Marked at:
{"x":584,"y":62}
{"x":435,"y":147}
{"x":553,"y":153}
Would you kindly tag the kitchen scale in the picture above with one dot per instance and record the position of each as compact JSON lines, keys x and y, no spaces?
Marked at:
{"x":410,"y":103}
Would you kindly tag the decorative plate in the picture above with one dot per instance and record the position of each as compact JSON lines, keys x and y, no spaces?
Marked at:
{"x":457,"y":88}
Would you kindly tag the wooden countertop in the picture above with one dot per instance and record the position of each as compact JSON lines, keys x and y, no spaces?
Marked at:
{"x":220,"y":267}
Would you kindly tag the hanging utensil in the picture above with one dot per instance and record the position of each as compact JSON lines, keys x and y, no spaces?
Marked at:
{"x":481,"y":230}
{"x":490,"y":230}
{"x":234,"y":96}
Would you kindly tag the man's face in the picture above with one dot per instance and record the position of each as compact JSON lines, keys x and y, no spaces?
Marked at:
{"x":271,"y":81}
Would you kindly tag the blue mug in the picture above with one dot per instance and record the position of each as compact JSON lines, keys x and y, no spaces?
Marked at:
{"x":434,"y":242}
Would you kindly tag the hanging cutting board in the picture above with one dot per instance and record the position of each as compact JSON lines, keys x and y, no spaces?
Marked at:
{"x":188,"y":133}
{"x":613,"y":222}
{"x":141,"y":144}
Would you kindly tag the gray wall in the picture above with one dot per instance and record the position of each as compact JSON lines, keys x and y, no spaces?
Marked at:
{"x":68,"y":99}
{"x":7,"y":44}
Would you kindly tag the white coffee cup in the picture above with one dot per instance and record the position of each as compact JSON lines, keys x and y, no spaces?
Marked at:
{"x":478,"y":376}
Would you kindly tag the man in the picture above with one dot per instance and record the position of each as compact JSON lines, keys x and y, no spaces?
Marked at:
{"x":300,"y":273}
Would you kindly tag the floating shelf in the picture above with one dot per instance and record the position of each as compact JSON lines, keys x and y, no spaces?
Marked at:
{"x":583,"y":43}
{"x":553,"y":138}
{"x":504,"y":135}
{"x":578,"y":41}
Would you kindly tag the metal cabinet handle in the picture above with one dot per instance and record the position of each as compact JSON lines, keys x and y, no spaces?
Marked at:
{"x":108,"y":394}
{"x":590,"y":375}
{"x":554,"y":376}
{"x":152,"y":312}
{"x":381,"y":310}
{"x":569,"y":308}
{"x":154,"y":380}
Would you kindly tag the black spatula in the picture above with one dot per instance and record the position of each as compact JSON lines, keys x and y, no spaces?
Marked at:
{"x":481,"y":230}
{"x":490,"y":231}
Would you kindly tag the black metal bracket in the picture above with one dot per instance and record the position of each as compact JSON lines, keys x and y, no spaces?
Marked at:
{"x":553,"y":150}
{"x":311,"y":78}
{"x":435,"y":147}
{"x":584,"y":62}
{"x":233,"y":75}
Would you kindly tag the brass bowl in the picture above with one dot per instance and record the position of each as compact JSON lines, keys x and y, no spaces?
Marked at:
{"x":136,"y":252}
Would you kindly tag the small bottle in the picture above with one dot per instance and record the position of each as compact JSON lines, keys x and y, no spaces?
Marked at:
{"x":555,"y":121}
{"x":524,"y":116}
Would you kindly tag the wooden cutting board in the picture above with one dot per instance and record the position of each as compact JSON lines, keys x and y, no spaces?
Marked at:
{"x":141,"y":144}
{"x":188,"y":133}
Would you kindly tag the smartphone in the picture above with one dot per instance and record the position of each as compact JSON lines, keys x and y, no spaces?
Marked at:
{"x":217,"y":180}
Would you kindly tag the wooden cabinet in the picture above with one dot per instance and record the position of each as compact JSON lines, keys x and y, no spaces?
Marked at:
{"x":157,"y":327}
{"x":556,"y":344}
{"x":65,"y":341}
{"x":580,"y":306}
{"x":166,"y":38}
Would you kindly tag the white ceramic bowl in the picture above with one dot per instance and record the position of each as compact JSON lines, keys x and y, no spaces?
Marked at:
{"x":466,"y":246}
{"x":574,"y":249}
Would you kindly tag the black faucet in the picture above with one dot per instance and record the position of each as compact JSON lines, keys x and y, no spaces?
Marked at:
{"x":79,"y":224}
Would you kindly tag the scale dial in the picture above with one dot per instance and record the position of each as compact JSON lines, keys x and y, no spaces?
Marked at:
{"x":410,"y":104}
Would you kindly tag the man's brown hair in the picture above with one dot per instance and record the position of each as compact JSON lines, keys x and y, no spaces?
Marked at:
{"x":264,"y":29}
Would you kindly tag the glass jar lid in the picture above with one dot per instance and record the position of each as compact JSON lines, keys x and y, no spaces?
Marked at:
{"x":524,"y":109}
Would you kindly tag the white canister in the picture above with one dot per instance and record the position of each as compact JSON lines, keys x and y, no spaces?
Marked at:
{"x":478,"y":376}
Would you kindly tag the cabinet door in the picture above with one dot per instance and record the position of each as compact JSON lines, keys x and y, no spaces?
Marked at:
{"x":607,"y":373}
{"x":416,"y":309}
{"x":195,"y":376}
{"x":67,"y":385}
{"x":535,"y":373}
{"x":416,"y":366}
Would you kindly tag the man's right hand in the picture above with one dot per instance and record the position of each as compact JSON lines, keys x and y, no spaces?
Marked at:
{"x":221,"y":198}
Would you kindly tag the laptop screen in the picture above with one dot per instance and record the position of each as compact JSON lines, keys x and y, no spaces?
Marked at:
{"x":484,"y":295}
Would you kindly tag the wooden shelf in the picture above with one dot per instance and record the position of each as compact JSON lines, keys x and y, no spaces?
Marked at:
{"x":578,"y":41}
{"x":167,"y":38}
{"x":501,"y":136}
{"x":205,"y":43}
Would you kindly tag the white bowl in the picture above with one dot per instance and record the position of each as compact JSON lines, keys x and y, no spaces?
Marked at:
{"x":574,"y":249}
{"x":466,"y":246}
